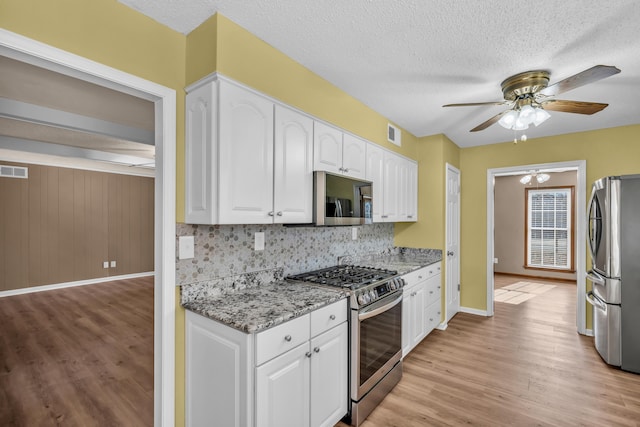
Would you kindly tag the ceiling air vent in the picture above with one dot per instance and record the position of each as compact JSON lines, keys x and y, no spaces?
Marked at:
{"x":14,"y":172}
{"x":393,"y":134}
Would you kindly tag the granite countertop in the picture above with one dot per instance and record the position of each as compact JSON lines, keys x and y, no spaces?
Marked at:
{"x":254,"y":309}
{"x":405,"y":262}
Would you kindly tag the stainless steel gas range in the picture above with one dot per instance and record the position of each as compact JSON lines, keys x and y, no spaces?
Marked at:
{"x":375,"y":365}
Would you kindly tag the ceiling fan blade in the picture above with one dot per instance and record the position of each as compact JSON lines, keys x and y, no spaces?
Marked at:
{"x":475,"y":104}
{"x":591,"y":75}
{"x":492,"y":120}
{"x":578,"y":107}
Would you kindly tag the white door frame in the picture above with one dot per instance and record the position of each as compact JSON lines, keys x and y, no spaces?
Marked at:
{"x":24,"y":49}
{"x":581,"y":193}
{"x":449,"y":167}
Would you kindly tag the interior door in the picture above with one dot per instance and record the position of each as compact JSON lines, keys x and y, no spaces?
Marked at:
{"x":452,"y":266}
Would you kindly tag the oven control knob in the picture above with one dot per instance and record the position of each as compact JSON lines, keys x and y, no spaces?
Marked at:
{"x":361,"y":299}
{"x":392,"y":285}
{"x":373,"y":294}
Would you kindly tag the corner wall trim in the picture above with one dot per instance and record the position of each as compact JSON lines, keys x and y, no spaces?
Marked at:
{"x":63,"y":285}
{"x":475,"y":311}
{"x":442,"y":326}
{"x":588,"y":332}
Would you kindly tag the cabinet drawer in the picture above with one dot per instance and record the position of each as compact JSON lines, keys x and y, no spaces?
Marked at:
{"x":432,"y":289}
{"x":433,"y":313}
{"x":422,"y":274}
{"x":327,"y":317}
{"x":281,"y":338}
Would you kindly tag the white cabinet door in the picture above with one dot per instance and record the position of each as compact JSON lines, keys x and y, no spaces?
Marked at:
{"x":374,"y":172}
{"x":201,"y":155}
{"x":293,"y":167}
{"x":406,"y":322}
{"x":246,"y":157}
{"x":327,"y":148}
{"x":402,"y":190}
{"x":419,"y":320}
{"x":329,"y":377}
{"x":412,"y":191}
{"x":283,"y":390}
{"x":391,"y":187}
{"x":353,"y":156}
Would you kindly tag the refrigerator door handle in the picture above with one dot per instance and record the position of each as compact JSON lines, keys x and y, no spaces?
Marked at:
{"x":595,"y":301}
{"x":596,"y":278}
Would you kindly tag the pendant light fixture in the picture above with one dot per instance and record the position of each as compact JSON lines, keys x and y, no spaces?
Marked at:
{"x":539,"y":177}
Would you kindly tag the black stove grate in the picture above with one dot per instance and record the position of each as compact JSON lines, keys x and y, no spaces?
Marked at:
{"x":346,"y":276}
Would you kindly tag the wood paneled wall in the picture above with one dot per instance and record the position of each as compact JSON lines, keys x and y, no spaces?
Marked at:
{"x":61,"y":224}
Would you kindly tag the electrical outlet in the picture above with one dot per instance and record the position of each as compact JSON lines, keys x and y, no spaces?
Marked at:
{"x":495,"y":260}
{"x":259,"y":241}
{"x":186,"y":247}
{"x":354,"y":233}
{"x":105,"y":264}
{"x":113,"y":264}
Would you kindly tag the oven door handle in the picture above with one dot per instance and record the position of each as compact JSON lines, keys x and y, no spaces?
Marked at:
{"x":370,"y":311}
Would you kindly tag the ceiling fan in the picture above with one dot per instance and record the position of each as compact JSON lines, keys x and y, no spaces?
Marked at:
{"x":528,"y":95}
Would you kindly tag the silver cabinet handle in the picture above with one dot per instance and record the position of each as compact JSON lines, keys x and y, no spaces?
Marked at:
{"x":317,"y":349}
{"x":287,"y":338}
{"x":332,"y":317}
{"x":430,"y":271}
{"x":419,"y":277}
{"x":270,"y":213}
{"x":308,"y":354}
{"x":450,"y":253}
{"x":279,"y":213}
{"x":438,"y":286}
{"x":431,"y":292}
{"x":345,"y":170}
{"x":409,"y":216}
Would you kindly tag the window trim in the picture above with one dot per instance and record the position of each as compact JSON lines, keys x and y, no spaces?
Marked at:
{"x":571,"y":268}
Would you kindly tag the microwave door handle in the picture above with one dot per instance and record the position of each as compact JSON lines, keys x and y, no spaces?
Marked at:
{"x":338,"y":208}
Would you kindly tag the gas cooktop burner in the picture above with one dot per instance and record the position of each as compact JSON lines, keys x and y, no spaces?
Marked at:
{"x":345,"y":276}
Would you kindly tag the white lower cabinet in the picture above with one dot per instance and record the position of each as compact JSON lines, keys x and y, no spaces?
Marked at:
{"x":421,"y":311}
{"x":294,"y":374}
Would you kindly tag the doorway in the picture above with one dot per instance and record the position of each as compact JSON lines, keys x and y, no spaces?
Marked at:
{"x":452,"y":244}
{"x":32,"y":52}
{"x":580,"y":228}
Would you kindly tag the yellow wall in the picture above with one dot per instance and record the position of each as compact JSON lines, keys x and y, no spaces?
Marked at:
{"x":612,"y":151}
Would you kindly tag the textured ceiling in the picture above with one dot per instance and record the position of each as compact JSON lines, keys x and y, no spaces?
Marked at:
{"x":406,"y":58}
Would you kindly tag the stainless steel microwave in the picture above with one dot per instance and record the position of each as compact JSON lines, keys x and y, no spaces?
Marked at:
{"x":341,"y":200}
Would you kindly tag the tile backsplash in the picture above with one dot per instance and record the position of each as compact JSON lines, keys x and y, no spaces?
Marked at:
{"x":227,"y":250}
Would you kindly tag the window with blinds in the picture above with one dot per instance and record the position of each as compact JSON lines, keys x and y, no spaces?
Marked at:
{"x":549,"y":242}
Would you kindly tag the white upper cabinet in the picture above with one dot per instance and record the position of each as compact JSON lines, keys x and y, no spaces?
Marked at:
{"x":327,"y":148}
{"x":248,"y":160}
{"x":293,"y":172}
{"x":246,"y":157}
{"x":353,"y":156}
{"x":375,"y":174}
{"x":337,"y":152}
{"x":395,"y":185}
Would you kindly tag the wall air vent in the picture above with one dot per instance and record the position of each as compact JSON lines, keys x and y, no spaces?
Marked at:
{"x":394,"y":135}
{"x":14,"y":172}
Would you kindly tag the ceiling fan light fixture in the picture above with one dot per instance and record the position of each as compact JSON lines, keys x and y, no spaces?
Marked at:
{"x":520,"y":124}
{"x":508,"y":119}
{"x":525,"y":179}
{"x":527,"y":114}
{"x":541,"y":116}
{"x":542,"y":177}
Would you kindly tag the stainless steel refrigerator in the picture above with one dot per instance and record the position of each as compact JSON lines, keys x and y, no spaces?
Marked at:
{"x":614,"y":243}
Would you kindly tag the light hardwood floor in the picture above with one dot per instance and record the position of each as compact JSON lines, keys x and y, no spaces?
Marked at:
{"x":526,"y":366}
{"x":79,"y":356}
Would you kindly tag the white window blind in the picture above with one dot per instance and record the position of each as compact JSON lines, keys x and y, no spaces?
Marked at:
{"x":549,"y":228}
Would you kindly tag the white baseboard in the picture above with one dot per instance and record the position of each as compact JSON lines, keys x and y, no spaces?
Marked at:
{"x":442,"y":326}
{"x":588,"y":332}
{"x":72,"y":284}
{"x":475,"y":311}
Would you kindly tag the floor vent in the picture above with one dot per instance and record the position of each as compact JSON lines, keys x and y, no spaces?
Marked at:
{"x":14,"y":172}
